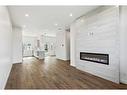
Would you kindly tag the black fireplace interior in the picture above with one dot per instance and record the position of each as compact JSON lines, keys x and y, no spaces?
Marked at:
{"x":95,"y":57}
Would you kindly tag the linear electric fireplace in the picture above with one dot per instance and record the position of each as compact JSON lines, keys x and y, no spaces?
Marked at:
{"x":95,"y":57}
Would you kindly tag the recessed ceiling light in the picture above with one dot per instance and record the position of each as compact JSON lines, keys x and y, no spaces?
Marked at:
{"x":24,"y":26}
{"x":55,"y":24}
{"x":70,"y":14}
{"x":27,"y":15}
{"x":117,"y":5}
{"x":82,"y":20}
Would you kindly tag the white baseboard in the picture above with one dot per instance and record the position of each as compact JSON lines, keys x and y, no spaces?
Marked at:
{"x":73,"y":65}
{"x":4,"y":74}
{"x":123,"y":81}
{"x":16,"y":60}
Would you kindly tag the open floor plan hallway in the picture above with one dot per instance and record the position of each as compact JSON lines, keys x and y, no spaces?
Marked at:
{"x":52,"y":73}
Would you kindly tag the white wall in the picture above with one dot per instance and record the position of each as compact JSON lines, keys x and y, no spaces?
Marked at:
{"x":5,"y":46}
{"x":68,"y":45}
{"x":62,"y":45}
{"x":123,"y":54}
{"x":17,"y":45}
{"x":103,"y":23}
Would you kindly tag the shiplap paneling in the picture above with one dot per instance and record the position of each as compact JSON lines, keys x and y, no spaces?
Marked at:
{"x":97,"y":32}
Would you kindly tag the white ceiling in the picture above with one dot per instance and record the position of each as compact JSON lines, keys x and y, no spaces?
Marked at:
{"x":43,"y":19}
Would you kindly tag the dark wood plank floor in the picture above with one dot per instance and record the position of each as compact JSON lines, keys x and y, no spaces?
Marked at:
{"x":54,"y":74}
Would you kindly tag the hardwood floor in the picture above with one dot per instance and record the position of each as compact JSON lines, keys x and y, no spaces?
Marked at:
{"x":54,"y":74}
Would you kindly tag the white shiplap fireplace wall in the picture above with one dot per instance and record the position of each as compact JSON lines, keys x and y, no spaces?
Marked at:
{"x":97,"y":32}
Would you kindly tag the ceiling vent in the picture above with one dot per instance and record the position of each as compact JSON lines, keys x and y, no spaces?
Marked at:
{"x":68,"y":30}
{"x":59,"y":28}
